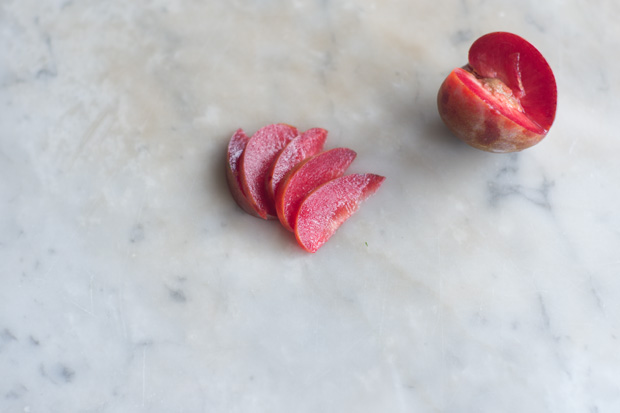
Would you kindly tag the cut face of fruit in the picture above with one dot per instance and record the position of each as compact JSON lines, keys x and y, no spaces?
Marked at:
{"x":305,"y":177}
{"x":260,"y":152}
{"x":504,"y":100}
{"x":302,"y":147}
{"x":522,"y":68}
{"x":236,"y":146}
{"x":326,"y":208}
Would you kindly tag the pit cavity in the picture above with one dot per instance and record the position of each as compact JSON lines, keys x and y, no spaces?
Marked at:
{"x":501,"y":92}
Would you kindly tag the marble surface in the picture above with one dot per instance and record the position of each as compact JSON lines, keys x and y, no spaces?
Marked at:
{"x":131,"y":282}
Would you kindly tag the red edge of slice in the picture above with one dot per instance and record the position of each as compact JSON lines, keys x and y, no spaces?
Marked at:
{"x":326,"y":208}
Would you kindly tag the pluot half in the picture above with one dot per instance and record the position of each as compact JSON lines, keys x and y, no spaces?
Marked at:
{"x":504,"y":99}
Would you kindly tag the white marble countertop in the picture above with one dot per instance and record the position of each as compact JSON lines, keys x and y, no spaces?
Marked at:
{"x":131,"y":282}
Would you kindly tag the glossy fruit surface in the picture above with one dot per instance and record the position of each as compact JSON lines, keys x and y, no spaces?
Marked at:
{"x":260,"y":152}
{"x":302,"y":147}
{"x":305,"y":177}
{"x":504,"y":99}
{"x":326,"y":208}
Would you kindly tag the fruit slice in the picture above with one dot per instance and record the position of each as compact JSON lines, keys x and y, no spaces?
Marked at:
{"x":504,"y":100}
{"x":259,"y":153}
{"x":302,"y":147}
{"x":305,"y":177}
{"x":330,"y":205}
{"x":236,"y":146}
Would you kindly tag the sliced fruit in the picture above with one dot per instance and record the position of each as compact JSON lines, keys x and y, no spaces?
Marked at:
{"x":236,"y":146}
{"x":326,"y":208}
{"x":305,"y":177}
{"x":504,"y":100}
{"x":260,"y":151}
{"x":302,"y":147}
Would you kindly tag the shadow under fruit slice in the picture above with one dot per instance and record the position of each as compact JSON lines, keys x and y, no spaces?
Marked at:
{"x":302,"y":147}
{"x":330,"y":205}
{"x":236,"y":146}
{"x":504,"y":99}
{"x":305,"y":177}
{"x":259,"y":153}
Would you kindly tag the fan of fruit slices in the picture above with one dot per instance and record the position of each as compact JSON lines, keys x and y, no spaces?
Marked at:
{"x":279,"y":173}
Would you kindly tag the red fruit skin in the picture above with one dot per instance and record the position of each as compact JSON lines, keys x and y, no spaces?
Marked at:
{"x":260,"y":152}
{"x":236,"y":146}
{"x":477,"y":123}
{"x":305,"y":177}
{"x":326,"y":208}
{"x":504,"y":100}
{"x":302,"y":147}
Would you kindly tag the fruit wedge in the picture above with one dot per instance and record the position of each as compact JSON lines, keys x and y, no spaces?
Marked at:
{"x":504,"y":99}
{"x":330,"y":205}
{"x":305,"y":177}
{"x":302,"y":147}
{"x":260,"y":152}
{"x":236,"y":146}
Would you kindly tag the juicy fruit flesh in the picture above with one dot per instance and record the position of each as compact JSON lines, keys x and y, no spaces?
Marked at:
{"x":302,"y":147}
{"x":259,"y":153}
{"x":500,"y":97}
{"x":326,"y":208}
{"x":305,"y":177}
{"x":521,"y":67}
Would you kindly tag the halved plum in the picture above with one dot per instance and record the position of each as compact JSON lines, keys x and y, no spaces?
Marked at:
{"x":305,"y":177}
{"x":260,"y":152}
{"x":504,"y":99}
{"x":302,"y":147}
{"x":326,"y":208}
